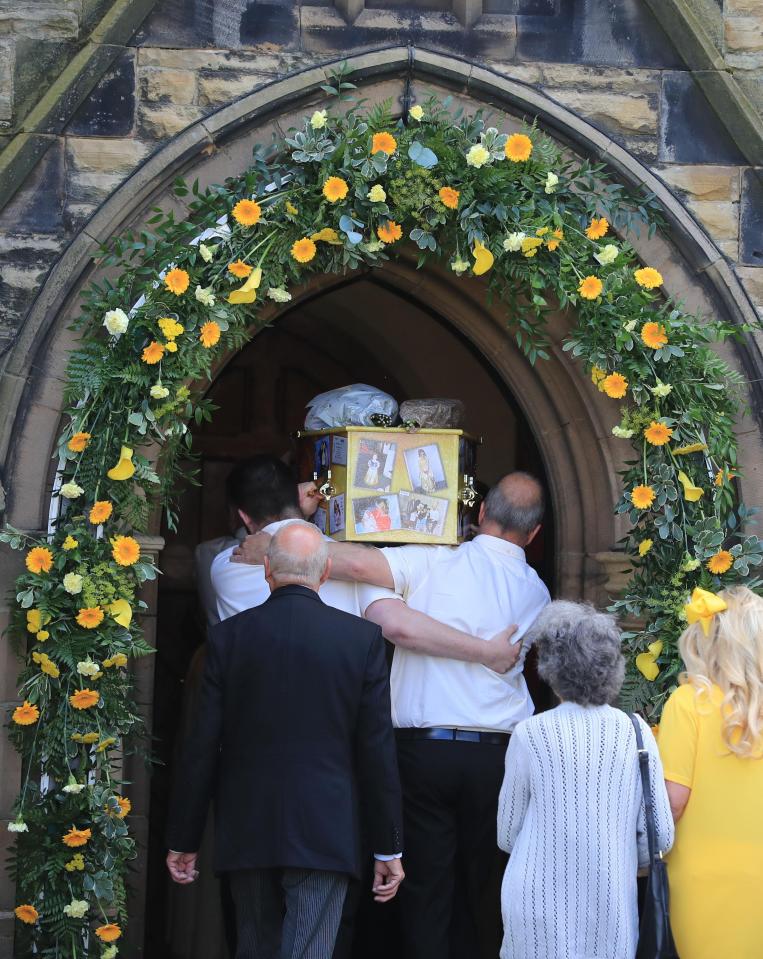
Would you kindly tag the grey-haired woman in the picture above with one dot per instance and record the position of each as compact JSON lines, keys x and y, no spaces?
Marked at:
{"x":571,"y":811}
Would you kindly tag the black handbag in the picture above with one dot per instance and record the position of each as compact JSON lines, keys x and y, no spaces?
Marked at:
{"x":655,"y":940}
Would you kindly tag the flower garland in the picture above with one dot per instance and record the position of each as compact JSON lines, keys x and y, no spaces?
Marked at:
{"x":343,"y":192}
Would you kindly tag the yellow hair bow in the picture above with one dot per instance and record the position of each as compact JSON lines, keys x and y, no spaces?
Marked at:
{"x":702,"y":607}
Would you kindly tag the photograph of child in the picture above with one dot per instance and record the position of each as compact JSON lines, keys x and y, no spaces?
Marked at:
{"x":322,"y":456}
{"x":376,"y":514}
{"x":423,"y":514}
{"x":336,"y":514}
{"x":319,"y":518}
{"x":425,"y":469}
{"x":375,"y":465}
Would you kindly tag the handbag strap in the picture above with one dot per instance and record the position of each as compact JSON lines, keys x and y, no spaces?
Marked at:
{"x":643,"y":761}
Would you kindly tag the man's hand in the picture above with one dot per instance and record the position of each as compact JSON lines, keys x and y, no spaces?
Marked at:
{"x":182,"y":866}
{"x":252,"y":550}
{"x":387,"y":879}
{"x":309,"y":498}
{"x":501,"y":654}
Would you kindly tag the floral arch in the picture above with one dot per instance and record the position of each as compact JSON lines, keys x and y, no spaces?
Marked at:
{"x":344,"y":191}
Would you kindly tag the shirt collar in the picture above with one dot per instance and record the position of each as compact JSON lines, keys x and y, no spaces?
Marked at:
{"x":498,"y":545}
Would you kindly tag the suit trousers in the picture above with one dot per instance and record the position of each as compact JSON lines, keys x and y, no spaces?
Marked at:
{"x":287,"y":913}
{"x":450,"y":901}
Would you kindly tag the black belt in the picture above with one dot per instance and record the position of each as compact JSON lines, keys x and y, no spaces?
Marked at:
{"x":457,"y":735}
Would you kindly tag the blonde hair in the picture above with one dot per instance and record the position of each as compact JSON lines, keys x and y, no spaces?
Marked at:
{"x":731,"y":657}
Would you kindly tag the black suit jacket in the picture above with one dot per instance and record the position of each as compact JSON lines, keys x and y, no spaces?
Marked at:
{"x":293,"y":733}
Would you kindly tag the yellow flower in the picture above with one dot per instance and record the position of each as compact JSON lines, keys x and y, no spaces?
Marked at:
{"x":76,"y":837}
{"x":84,"y":699}
{"x":530,"y":245}
{"x":121,"y":612}
{"x":79,"y":442}
{"x":209,"y":334}
{"x":26,"y":714}
{"x":722,"y":476}
{"x":383,"y":143}
{"x":483,"y":259}
{"x":542,"y":231}
{"x":101,"y":511}
{"x":69,"y":543}
{"x":87,"y":738}
{"x":118,"y":659}
{"x":240,"y":269}
{"x":690,"y":448}
{"x":247,"y":212}
{"x":648,"y":277}
{"x":449,"y":197}
{"x":39,"y":559}
{"x":518,"y":148}
{"x":326,"y":235}
{"x":615,"y":386}
{"x":389,"y":232}
{"x":49,"y":668}
{"x":644,"y":546}
{"x":721,"y":562}
{"x":597,"y":375}
{"x":377,"y":193}
{"x":558,"y":236}
{"x":417,"y":112}
{"x":335,"y":189}
{"x":76,"y":863}
{"x":303,"y":250}
{"x":170,"y":328}
{"x":642,"y":497}
{"x":27,"y":914}
{"x":90,"y":617}
{"x":246,"y":293}
{"x":477,"y":156}
{"x":691,"y":492}
{"x":108,"y":933}
{"x":177,"y":281}
{"x":597,"y":228}
{"x":646,"y":663}
{"x":290,"y":208}
{"x":590,"y":288}
{"x":170,"y":346}
{"x":125,"y":806}
{"x":657,"y":433}
{"x":653,"y":335}
{"x":104,"y":744}
{"x":152,"y":353}
{"x":43,"y":635}
{"x":36,"y":619}
{"x":122,"y":471}
{"x":125,"y":550}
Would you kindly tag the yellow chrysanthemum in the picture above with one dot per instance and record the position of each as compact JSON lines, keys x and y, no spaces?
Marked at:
{"x":247,"y":212}
{"x":449,"y":197}
{"x":27,"y":914}
{"x":90,"y":617}
{"x":653,"y":335}
{"x":76,"y":863}
{"x":721,"y":562}
{"x":383,"y":143}
{"x":118,"y":659}
{"x":644,"y":546}
{"x":100,"y":512}
{"x":69,"y":543}
{"x":335,"y":189}
{"x":87,"y":738}
{"x":290,"y":208}
{"x":648,"y":277}
{"x":177,"y":281}
{"x":597,"y":228}
{"x":39,"y":559}
{"x":597,"y":375}
{"x":105,"y":744}
{"x":26,"y":714}
{"x":42,"y":635}
{"x":108,"y":933}
{"x":657,"y":433}
{"x":36,"y":619}
{"x":615,"y":386}
{"x":170,"y":328}
{"x":77,"y":837}
{"x":518,"y":148}
{"x":389,"y":232}
{"x":79,"y":442}
{"x":530,"y":245}
{"x":326,"y":235}
{"x":49,"y":668}
{"x":209,"y":334}
{"x":303,"y":250}
{"x":642,"y":497}
{"x":590,"y":288}
{"x":125,"y":550}
{"x":152,"y":353}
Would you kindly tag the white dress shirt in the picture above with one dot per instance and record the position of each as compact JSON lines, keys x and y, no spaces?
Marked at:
{"x":480,"y":587}
{"x":239,"y":586}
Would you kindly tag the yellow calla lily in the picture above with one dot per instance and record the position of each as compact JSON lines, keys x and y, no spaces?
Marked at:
{"x":655,"y":648}
{"x":646,"y":664}
{"x":691,"y":492}
{"x":121,"y":611}
{"x":248,"y":292}
{"x":483,"y":259}
{"x":702,"y":606}
{"x":125,"y":467}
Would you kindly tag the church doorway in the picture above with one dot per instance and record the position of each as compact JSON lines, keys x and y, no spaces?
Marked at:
{"x":363,"y":330}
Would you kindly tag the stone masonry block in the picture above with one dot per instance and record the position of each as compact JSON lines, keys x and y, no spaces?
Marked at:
{"x":744,"y":40}
{"x":618,"y":114}
{"x":605,"y":79}
{"x":690,"y":130}
{"x":751,"y":278}
{"x":168,"y":86}
{"x":109,"y":108}
{"x":703,"y":182}
{"x":40,"y":19}
{"x":162,"y":121}
{"x":7,"y":54}
{"x":751,"y":218}
{"x":224,"y":86}
{"x":719,"y":218}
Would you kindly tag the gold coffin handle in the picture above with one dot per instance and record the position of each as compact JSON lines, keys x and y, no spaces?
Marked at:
{"x":468,"y":495}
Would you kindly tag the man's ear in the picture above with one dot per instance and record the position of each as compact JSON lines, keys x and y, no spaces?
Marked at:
{"x":533,"y":534}
{"x":482,"y":513}
{"x":326,"y":571}
{"x":247,"y":520}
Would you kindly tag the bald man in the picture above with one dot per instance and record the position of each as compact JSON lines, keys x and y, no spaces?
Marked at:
{"x":293,"y":734}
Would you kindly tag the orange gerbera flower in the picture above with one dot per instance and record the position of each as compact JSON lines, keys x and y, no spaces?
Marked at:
{"x":27,"y":914}
{"x":124,"y":807}
{"x":240,"y":269}
{"x":590,"y":288}
{"x":26,"y":714}
{"x":247,"y":212}
{"x":642,"y":497}
{"x":84,"y":698}
{"x":125,"y":550}
{"x":152,"y":353}
{"x":657,"y":433}
{"x":648,"y":277}
{"x":597,"y":228}
{"x":90,"y":617}
{"x":76,"y":837}
{"x":615,"y":386}
{"x":653,"y":335}
{"x":78,"y":442}
{"x":39,"y":559}
{"x":303,"y":250}
{"x":722,"y":475}
{"x":177,"y":281}
{"x":389,"y":232}
{"x":335,"y":189}
{"x":721,"y":562}
{"x":449,"y":197}
{"x":209,"y":334}
{"x":383,"y":143}
{"x":108,"y":933}
{"x":518,"y":148}
{"x":101,"y":511}
{"x":558,"y":236}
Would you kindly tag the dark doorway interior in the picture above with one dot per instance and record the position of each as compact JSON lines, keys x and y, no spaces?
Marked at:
{"x":359,"y":332}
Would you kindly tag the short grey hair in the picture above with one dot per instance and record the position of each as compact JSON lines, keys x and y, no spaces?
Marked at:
{"x":516,"y":504}
{"x":294,"y":566}
{"x":579,"y":652}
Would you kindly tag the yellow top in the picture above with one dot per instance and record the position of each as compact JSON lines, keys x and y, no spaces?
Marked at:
{"x":716,"y":865}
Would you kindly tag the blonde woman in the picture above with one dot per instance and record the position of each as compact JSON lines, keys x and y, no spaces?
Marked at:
{"x":711,"y":742}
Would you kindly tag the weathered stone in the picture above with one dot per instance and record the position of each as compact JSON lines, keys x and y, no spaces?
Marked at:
{"x":220,"y":88}
{"x":109,"y":109}
{"x":744,"y":41}
{"x":96,"y":168}
{"x":273,"y":23}
{"x":703,"y":182}
{"x":690,"y":130}
{"x":605,"y":79}
{"x":7,"y":52}
{"x":174,"y":86}
{"x":720,"y":219}
{"x":614,"y":112}
{"x":40,"y":19}
{"x":158,"y":122}
{"x":751,"y":218}
{"x":208,"y":60}
{"x":752,"y":280}
{"x":524,"y":72}
{"x":38,"y":206}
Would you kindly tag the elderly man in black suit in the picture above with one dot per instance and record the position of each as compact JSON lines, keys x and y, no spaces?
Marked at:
{"x":293,"y":735}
